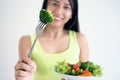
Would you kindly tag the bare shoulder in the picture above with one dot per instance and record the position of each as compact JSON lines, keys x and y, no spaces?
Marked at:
{"x":81,"y":37}
{"x":24,"y":45}
{"x":24,"y":39}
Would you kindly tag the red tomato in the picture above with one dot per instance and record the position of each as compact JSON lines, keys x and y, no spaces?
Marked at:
{"x":76,"y":66}
{"x":77,"y":69}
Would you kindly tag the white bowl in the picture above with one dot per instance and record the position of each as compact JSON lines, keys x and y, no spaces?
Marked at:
{"x":71,"y":77}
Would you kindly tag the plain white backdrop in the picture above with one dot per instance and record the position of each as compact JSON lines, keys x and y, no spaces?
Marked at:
{"x":99,"y":21}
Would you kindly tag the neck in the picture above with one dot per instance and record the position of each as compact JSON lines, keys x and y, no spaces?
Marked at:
{"x":53,"y":32}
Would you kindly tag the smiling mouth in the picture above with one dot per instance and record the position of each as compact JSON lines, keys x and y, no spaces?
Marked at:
{"x":58,"y":18}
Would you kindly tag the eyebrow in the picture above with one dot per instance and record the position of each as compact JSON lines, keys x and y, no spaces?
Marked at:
{"x":55,"y":1}
{"x":67,"y":4}
{"x":59,"y":2}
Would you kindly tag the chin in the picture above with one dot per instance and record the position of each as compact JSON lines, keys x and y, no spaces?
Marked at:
{"x":56,"y":24}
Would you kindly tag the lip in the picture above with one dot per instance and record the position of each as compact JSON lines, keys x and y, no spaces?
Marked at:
{"x":58,"y":18}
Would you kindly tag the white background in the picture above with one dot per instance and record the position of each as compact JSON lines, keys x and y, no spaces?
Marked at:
{"x":99,"y":21}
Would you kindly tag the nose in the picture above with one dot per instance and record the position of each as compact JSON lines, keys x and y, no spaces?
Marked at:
{"x":59,"y":11}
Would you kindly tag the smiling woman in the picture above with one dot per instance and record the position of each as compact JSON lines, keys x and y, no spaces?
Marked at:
{"x":61,"y":40}
{"x":70,"y":5}
{"x":61,"y":10}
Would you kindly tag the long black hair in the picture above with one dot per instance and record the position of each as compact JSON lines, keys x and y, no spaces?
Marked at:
{"x":73,"y":23}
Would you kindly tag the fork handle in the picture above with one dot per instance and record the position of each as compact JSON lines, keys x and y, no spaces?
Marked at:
{"x":31,"y":49}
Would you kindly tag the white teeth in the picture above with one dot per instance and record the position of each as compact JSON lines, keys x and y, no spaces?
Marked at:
{"x":57,"y":18}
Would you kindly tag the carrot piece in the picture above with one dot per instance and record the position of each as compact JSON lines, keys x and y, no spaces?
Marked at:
{"x":86,"y":74}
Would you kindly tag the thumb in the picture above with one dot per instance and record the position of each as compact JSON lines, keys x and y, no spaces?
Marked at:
{"x":33,"y":65}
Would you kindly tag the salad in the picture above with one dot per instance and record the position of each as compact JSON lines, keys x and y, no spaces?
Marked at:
{"x":79,"y":69}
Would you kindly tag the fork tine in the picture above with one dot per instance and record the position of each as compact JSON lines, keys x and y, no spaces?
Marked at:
{"x":40,"y":27}
{"x":40,"y":24}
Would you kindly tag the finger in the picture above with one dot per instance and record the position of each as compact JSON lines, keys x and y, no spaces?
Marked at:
{"x":33,"y":66}
{"x":15,"y":67}
{"x":20,"y":78}
{"x":30,"y":62}
{"x":24,"y":67}
{"x":20,"y":73}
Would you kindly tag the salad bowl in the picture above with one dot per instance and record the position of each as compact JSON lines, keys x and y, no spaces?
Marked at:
{"x":78,"y":71}
{"x":72,"y":77}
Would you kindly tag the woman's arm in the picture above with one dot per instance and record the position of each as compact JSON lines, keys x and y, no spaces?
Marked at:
{"x":84,"y":50}
{"x":25,"y":68}
{"x":24,"y":46}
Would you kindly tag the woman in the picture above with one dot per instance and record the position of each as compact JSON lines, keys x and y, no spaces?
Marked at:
{"x":61,"y":40}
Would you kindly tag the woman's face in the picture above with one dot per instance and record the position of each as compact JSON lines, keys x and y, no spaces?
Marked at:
{"x":61,"y":10}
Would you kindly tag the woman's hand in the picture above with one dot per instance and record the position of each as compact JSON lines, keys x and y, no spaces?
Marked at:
{"x":24,"y":69}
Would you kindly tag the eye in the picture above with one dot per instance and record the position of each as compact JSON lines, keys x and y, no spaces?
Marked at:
{"x":54,"y":4}
{"x":67,"y":7}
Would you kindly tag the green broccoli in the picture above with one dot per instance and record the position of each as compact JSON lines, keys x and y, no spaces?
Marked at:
{"x":83,"y":66}
{"x":46,"y":16}
{"x":87,"y":65}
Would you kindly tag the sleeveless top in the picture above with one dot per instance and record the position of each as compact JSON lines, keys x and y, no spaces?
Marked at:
{"x":46,"y":61}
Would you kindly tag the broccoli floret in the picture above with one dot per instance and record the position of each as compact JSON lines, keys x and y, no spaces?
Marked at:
{"x":46,"y":16}
{"x":87,"y":65}
{"x":84,"y":66}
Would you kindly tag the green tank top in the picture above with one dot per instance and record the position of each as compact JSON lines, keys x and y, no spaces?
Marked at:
{"x":46,"y":61}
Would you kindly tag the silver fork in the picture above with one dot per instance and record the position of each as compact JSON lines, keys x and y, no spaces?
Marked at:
{"x":39,"y":29}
